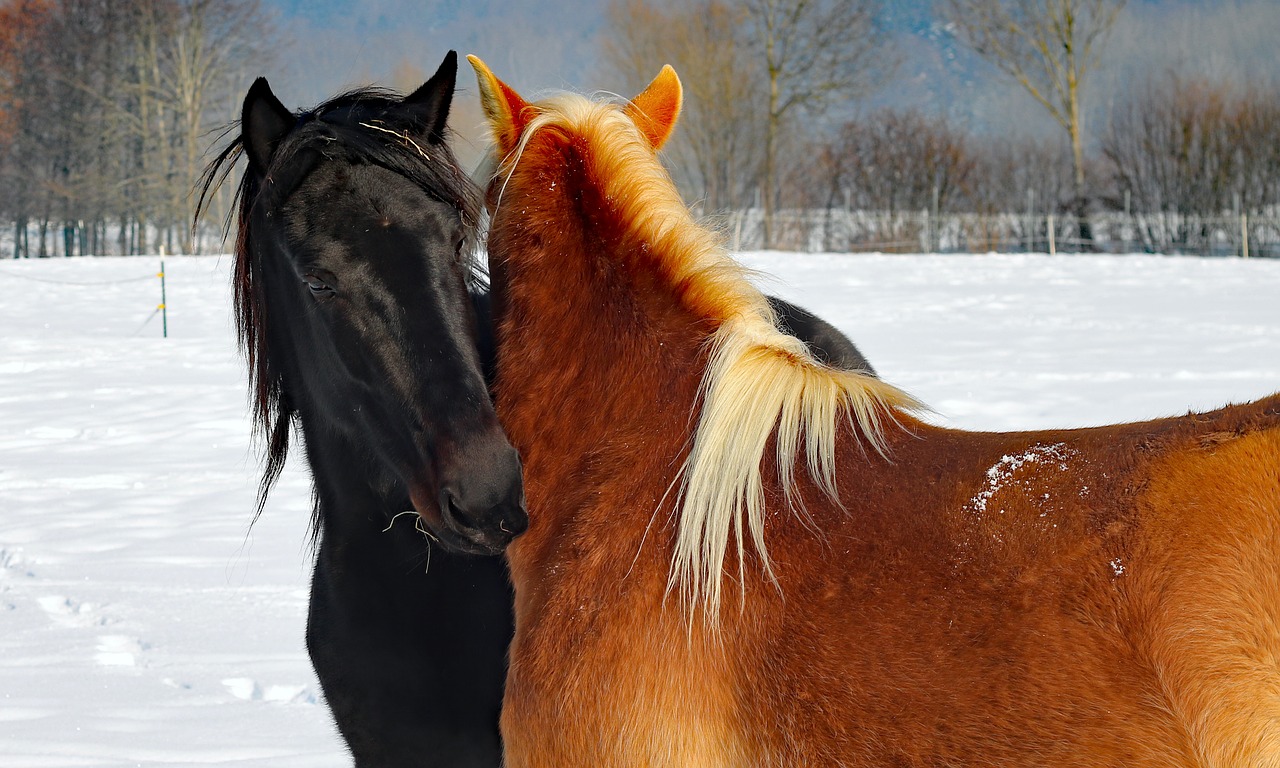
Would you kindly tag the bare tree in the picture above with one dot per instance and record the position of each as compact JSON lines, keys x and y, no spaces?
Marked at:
{"x":814,"y":52}
{"x":1255,"y":137}
{"x":88,"y":67}
{"x":1018,"y":175}
{"x":206,"y":58}
{"x":902,"y":160}
{"x":759,"y":68}
{"x":1049,"y":47}
{"x":105,"y":111}
{"x":1168,"y":148}
{"x":715,"y":152}
{"x":190,"y":58}
{"x":1188,"y":151}
{"x":25,"y":62}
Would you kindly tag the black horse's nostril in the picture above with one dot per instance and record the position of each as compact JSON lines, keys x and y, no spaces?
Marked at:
{"x":515,"y":522}
{"x":454,"y":512}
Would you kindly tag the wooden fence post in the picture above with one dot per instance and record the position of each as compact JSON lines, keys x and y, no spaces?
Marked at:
{"x":1244,"y":235}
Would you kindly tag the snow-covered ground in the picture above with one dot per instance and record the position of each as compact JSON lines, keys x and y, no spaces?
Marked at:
{"x":142,"y":620}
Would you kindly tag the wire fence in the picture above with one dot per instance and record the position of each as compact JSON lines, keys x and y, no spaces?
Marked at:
{"x":161,"y":309}
{"x":839,"y":230}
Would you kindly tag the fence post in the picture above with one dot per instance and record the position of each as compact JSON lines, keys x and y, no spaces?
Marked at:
{"x":935,"y":231}
{"x":1031,"y":222}
{"x":164,"y":310}
{"x":1053,"y":250}
{"x":1244,"y":235}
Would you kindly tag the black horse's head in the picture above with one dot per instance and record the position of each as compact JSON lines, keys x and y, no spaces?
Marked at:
{"x":352,"y":303}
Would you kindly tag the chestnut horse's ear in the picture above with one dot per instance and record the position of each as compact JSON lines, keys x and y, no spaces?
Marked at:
{"x":264,"y":121}
{"x":655,"y":110}
{"x":503,"y":107}
{"x":428,"y":106}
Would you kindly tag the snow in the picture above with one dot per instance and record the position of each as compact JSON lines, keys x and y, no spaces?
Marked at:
{"x":1009,"y":342}
{"x":1006,"y":470}
{"x":145,"y":622}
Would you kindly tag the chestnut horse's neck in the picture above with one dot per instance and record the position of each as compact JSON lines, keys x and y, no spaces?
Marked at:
{"x":597,"y":258}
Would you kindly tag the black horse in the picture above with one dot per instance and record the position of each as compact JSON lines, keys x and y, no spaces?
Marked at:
{"x":365,"y":324}
{"x":827,"y":343}
{"x":352,"y":278}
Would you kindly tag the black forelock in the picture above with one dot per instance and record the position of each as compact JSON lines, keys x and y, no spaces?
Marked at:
{"x":368,"y":125}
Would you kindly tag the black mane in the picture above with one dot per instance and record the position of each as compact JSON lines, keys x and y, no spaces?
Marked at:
{"x":347,"y":127}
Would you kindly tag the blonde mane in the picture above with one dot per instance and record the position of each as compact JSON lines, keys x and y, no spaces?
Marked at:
{"x":759,"y":381}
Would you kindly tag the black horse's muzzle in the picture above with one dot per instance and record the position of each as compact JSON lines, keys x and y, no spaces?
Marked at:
{"x":490,"y":529}
{"x":479,"y":507}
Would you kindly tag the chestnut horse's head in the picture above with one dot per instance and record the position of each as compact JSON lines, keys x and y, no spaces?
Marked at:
{"x":654,"y":111}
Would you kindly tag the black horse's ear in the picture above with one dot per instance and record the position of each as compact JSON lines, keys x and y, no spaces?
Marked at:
{"x":264,"y":121}
{"x":429,"y":105}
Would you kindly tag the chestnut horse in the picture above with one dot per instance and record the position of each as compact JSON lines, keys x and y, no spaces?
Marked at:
{"x":910,"y":596}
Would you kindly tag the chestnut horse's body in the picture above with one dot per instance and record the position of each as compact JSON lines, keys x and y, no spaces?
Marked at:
{"x":1098,"y":597}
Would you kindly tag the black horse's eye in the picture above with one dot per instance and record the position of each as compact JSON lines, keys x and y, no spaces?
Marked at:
{"x":319,"y":288}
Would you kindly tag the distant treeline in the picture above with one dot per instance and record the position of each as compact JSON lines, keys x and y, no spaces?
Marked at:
{"x":108,"y":107}
{"x":106,"y":110}
{"x":1179,"y":146}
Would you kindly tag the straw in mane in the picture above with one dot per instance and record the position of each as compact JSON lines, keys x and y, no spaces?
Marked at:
{"x":760,"y":382}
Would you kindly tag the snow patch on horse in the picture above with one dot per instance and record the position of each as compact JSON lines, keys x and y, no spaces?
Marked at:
{"x":1005,"y":471}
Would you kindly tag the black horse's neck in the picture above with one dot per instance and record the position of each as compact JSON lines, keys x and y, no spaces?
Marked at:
{"x":410,"y":639}
{"x":352,"y":495}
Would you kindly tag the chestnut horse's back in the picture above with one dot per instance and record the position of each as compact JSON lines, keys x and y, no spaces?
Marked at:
{"x":1093,"y":597}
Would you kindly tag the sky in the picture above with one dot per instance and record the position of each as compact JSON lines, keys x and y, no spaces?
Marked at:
{"x":537,"y":46}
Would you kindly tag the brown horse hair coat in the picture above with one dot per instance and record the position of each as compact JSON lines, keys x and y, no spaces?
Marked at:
{"x":1097,"y":597}
{"x":760,"y":382}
